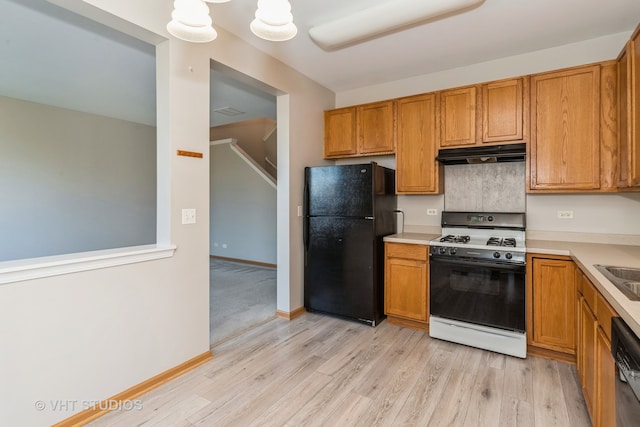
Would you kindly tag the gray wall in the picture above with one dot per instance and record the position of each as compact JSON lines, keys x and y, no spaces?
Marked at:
{"x":243,"y":209}
{"x":73,"y":182}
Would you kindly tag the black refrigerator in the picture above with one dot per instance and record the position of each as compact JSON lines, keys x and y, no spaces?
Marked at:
{"x":348,"y":209}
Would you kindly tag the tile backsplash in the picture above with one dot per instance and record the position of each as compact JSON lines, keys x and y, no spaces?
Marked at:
{"x":493,"y":187}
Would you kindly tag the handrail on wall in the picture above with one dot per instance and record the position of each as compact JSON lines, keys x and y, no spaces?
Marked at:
{"x":268,"y":134}
{"x":233,"y":144}
{"x":270,"y":163}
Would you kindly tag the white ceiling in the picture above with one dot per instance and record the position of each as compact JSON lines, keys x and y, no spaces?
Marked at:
{"x":68,"y":68}
{"x":495,"y":29}
{"x":54,"y":57}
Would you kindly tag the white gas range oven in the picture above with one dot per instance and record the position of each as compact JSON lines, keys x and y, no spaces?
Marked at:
{"x":477,"y":281}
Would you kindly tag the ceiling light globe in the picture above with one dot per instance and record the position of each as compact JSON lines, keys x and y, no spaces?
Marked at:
{"x":200,"y":34}
{"x":194,"y":13}
{"x":272,"y":18}
{"x":187,"y":17}
{"x":275,"y":33}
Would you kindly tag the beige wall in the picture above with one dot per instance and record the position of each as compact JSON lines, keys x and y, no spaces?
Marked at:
{"x":90,"y":335}
{"x":594,"y":213}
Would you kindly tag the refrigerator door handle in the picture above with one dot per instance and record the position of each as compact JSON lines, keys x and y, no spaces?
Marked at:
{"x":305,"y":213}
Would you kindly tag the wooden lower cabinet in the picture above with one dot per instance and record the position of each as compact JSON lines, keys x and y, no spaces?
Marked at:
{"x":595,"y":364}
{"x":567,"y":316}
{"x":551,"y":293}
{"x":589,"y":325}
{"x":605,"y":382}
{"x":406,"y":297}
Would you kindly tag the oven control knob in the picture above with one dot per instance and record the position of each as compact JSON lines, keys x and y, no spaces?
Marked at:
{"x":508,"y":255}
{"x":490,"y":218}
{"x":496,"y":254}
{"x":442,"y":250}
{"x":452,"y":251}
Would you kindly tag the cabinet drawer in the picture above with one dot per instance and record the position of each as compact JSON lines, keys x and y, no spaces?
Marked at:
{"x":589,"y":292}
{"x":604,"y":313}
{"x":408,"y":251}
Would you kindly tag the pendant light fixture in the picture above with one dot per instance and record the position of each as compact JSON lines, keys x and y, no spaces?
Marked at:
{"x":190,"y":21}
{"x":274,"y":21}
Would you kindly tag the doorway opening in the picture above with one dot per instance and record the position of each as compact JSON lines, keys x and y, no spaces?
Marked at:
{"x":243,"y":203}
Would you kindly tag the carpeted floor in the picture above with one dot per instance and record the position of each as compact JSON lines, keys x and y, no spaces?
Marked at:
{"x":241,"y":296}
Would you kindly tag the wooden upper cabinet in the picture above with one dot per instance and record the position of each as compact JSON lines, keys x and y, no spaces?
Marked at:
{"x":565,"y":130}
{"x":629,"y":111}
{"x":505,"y":110}
{"x":490,"y":113}
{"x":340,"y":132}
{"x":634,"y":143}
{"x":458,"y":109}
{"x":624,"y":110}
{"x":376,"y":128}
{"x":417,"y":144}
{"x":362,"y":130}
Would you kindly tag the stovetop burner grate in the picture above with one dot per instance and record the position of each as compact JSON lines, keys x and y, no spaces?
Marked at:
{"x":450,"y":238}
{"x":505,"y":242}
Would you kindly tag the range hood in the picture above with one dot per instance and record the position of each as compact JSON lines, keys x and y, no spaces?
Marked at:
{"x":480,"y":155}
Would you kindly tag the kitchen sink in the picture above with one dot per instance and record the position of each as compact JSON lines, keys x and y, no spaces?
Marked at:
{"x":624,"y":278}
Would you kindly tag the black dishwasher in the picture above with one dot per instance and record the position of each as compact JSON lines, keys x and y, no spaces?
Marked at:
{"x":625,"y":347}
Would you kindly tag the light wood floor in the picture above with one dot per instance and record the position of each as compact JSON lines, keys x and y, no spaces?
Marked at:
{"x":321,"y":371}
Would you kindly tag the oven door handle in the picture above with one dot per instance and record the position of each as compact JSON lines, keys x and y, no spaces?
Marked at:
{"x":478,"y":263}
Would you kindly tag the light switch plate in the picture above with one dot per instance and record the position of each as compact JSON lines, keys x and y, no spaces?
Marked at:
{"x":188,"y":216}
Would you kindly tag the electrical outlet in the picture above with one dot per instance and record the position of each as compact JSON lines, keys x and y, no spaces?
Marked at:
{"x":565,"y":214}
{"x":432,"y":211}
{"x":224,"y":246}
{"x":188,"y":216}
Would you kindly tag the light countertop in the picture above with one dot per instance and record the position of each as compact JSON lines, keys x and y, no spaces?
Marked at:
{"x":414,"y":238}
{"x":585,"y":255}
